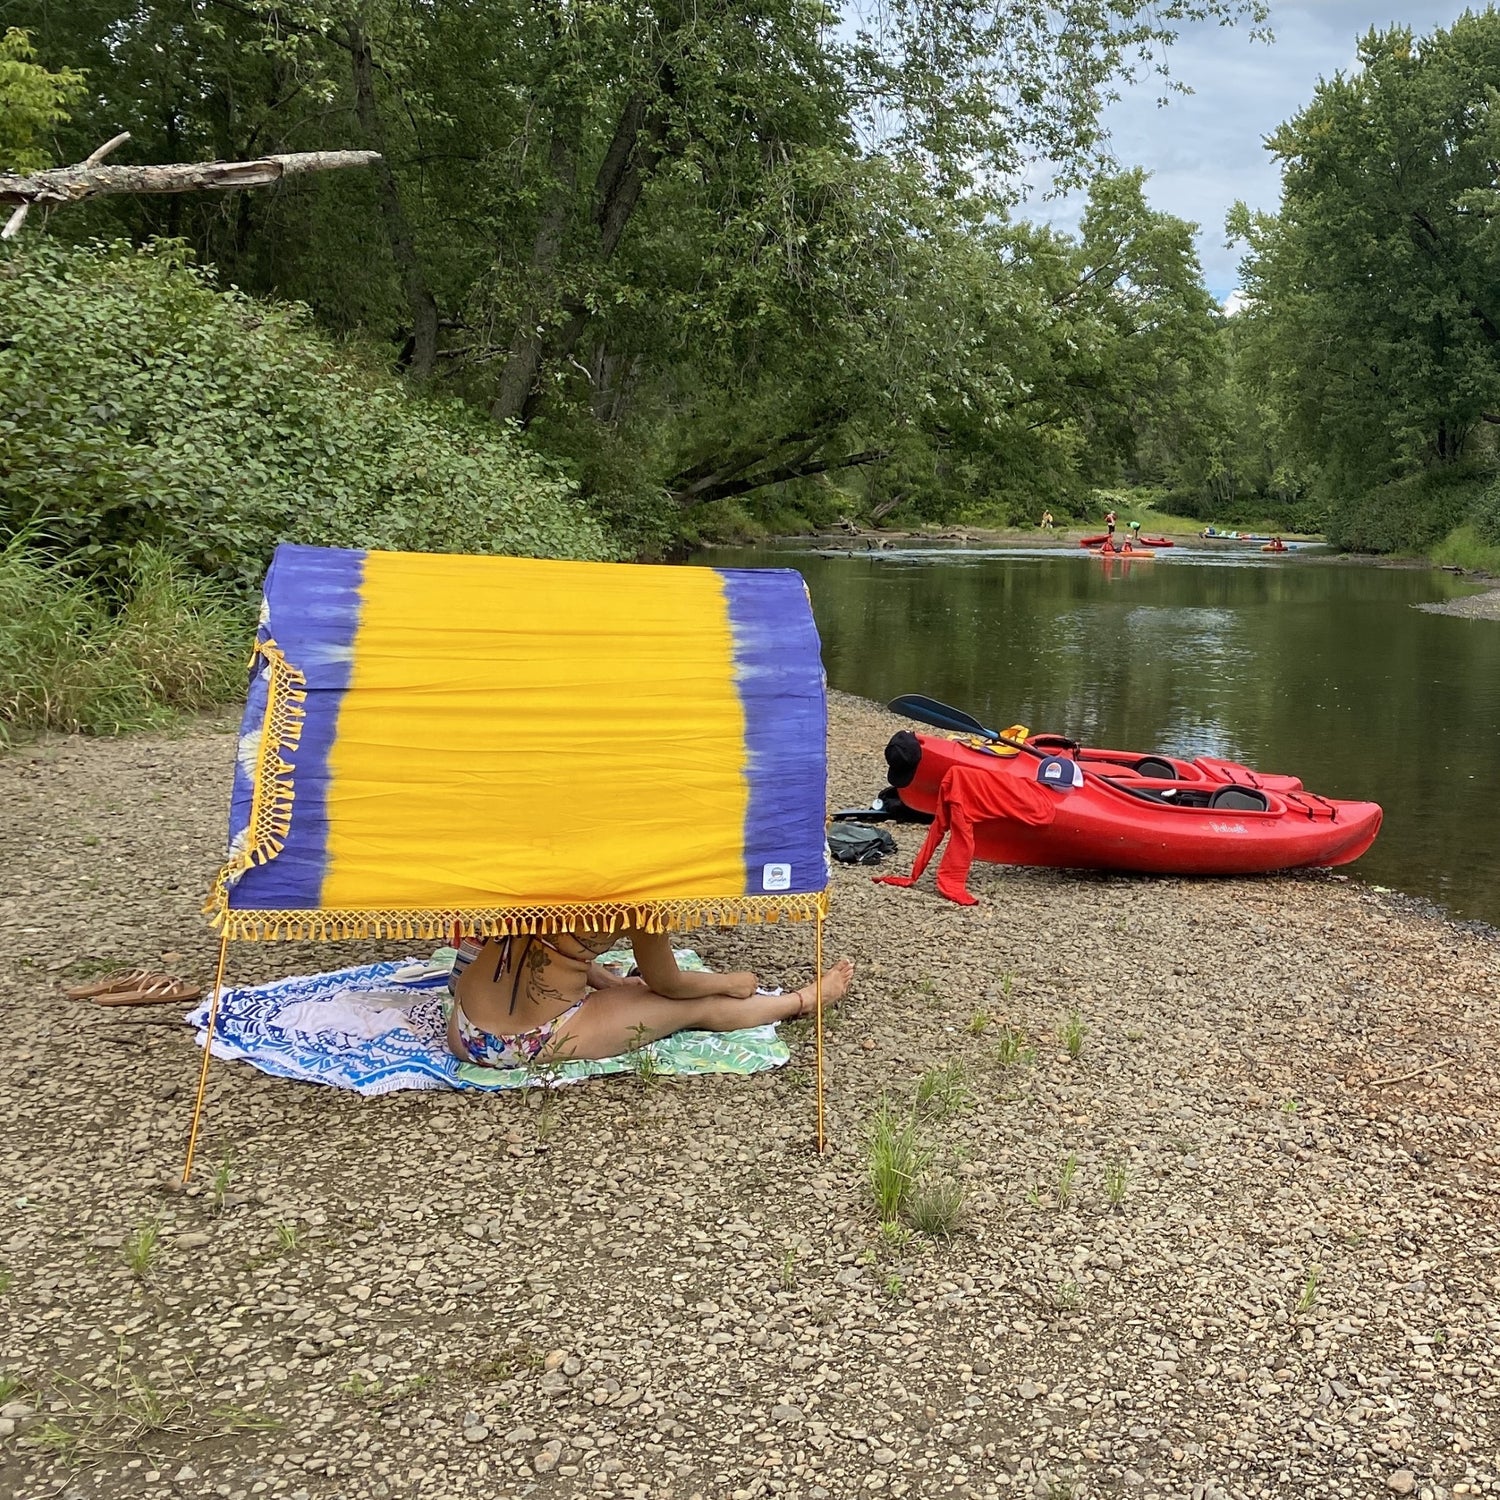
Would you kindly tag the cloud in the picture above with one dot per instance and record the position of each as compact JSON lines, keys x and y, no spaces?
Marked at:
{"x":1207,"y":149}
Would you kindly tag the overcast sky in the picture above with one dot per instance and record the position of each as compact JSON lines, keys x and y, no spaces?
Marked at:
{"x":1206,"y":150}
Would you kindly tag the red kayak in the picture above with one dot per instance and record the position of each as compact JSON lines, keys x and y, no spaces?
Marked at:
{"x":1220,"y":819}
{"x":1140,"y":541}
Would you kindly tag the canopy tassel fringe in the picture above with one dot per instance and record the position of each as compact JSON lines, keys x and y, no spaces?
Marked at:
{"x":645,"y":916}
{"x":271,"y":801}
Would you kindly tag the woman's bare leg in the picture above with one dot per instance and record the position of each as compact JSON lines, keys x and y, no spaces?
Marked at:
{"x":658,"y":966}
{"x":615,"y":1020}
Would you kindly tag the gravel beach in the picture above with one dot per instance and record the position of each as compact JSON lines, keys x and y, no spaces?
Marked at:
{"x":1481,"y":606}
{"x":1245,"y":1243}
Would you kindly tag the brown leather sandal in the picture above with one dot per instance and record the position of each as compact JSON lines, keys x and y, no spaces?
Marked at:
{"x":157,"y":989}
{"x":115,"y":984}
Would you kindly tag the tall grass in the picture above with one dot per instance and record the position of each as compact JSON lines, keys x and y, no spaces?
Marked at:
{"x":75,"y":660}
{"x":1464,"y":547}
{"x":896,"y":1160}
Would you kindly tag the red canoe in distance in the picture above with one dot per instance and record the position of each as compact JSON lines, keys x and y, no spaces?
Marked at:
{"x":1140,"y":541}
{"x":1154,"y":824}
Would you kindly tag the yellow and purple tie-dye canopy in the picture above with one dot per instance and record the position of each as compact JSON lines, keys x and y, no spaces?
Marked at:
{"x":505,"y":745}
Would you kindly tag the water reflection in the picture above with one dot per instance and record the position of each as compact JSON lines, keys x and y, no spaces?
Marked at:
{"x":1297,"y":663}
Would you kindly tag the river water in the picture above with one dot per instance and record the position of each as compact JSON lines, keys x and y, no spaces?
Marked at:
{"x":1297,"y":663}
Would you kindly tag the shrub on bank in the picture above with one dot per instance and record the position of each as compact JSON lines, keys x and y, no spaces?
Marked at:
{"x":1409,"y":515}
{"x":1465,"y":548}
{"x":139,"y":404}
{"x":73,"y":658}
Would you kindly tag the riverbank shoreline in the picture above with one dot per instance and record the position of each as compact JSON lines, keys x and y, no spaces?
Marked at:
{"x":1067,"y":538}
{"x":654,"y":1288}
{"x":1484,"y":605}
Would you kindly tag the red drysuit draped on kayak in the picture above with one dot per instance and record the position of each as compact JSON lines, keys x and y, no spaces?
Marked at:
{"x":969,"y":795}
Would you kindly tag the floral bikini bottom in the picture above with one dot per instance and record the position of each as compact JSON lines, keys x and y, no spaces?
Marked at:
{"x":518,"y":1050}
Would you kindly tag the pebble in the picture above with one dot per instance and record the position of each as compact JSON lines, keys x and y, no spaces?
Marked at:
{"x":660,"y":1287}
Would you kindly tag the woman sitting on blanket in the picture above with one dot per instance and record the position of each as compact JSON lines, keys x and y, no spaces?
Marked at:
{"x":523,"y":999}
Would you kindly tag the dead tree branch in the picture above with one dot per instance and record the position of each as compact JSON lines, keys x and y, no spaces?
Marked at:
{"x":89,"y":179}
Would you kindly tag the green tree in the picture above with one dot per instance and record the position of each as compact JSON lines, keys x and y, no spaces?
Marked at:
{"x":1372,"y":294}
{"x":693,"y":250}
{"x":32,"y":102}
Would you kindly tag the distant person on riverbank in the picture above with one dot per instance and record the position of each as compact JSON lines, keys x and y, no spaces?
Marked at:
{"x":1046,"y":520}
{"x":1135,"y":531}
{"x":1109,"y":521}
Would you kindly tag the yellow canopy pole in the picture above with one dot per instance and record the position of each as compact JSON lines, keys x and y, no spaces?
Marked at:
{"x":208,"y":1047}
{"x":818,"y":1028}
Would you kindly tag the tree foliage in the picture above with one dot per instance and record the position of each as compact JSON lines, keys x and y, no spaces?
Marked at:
{"x":139,"y":405}
{"x":696,"y":250}
{"x":1373,"y":312}
{"x":32,"y":102}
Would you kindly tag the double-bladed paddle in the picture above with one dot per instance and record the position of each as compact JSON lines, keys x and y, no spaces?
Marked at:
{"x":943,"y":716}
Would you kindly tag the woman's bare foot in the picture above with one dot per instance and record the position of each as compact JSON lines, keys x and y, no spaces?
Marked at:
{"x":834,"y":985}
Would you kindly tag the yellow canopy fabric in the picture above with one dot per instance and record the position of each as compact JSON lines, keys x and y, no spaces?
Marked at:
{"x":508,"y":744}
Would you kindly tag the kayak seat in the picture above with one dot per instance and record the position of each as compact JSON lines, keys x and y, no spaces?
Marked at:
{"x":1166,"y":796}
{"x":1157,"y":769}
{"x":1240,"y":799}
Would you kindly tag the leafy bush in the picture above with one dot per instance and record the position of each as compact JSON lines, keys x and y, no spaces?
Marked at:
{"x":69,"y":661}
{"x":1484,"y":512}
{"x":1409,"y":515}
{"x":138,"y":404}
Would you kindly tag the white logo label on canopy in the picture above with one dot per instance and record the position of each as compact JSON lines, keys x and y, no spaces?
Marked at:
{"x":776,"y":877}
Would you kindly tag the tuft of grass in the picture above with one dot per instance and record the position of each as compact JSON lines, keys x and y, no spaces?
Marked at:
{"x":96,"y":1422}
{"x":641,"y":1058}
{"x":75,"y":659}
{"x":943,"y":1091}
{"x":7,"y":1281}
{"x":1066,"y":1176}
{"x":1071,"y":1033}
{"x":893,"y":1285}
{"x":183,"y":635}
{"x":10,"y":1386}
{"x":288,"y":1238}
{"x":980,"y":1022}
{"x":936,"y":1207}
{"x":1067,"y":1296}
{"x":1011,"y":1049}
{"x":1289,"y":1106}
{"x":894,"y":1236}
{"x":142,"y":1245}
{"x":1309,"y":1292}
{"x":789,"y":1268}
{"x":1116,"y":1179}
{"x":219,"y":1188}
{"x":895,"y":1160}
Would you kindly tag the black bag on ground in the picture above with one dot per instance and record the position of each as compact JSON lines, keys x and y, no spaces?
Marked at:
{"x":859,"y":844}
